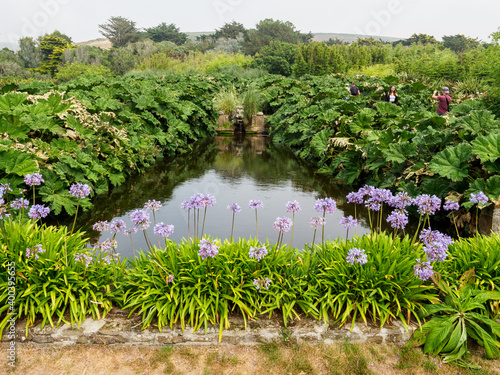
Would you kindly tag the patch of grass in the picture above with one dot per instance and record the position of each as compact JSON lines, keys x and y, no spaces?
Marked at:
{"x":187,"y":354}
{"x":162,"y":356}
{"x":430,"y":365}
{"x":300,"y":363}
{"x":356,"y":362}
{"x":409,"y":357}
{"x":272,"y":352}
{"x":376,"y":354}
{"x":222,"y":359}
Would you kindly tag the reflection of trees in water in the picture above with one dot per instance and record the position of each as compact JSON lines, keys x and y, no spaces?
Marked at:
{"x":157,"y":182}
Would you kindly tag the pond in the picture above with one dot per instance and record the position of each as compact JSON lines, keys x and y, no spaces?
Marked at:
{"x":234,"y":170}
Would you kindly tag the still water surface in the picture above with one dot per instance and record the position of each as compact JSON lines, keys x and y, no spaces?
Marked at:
{"x":234,"y":170}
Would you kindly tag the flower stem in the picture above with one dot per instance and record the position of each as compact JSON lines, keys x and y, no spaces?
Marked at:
{"x":232,"y":227}
{"x":76,"y":214}
{"x":256,"y":225}
{"x":293,"y":228}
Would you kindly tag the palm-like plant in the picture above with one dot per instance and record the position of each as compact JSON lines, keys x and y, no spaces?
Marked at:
{"x":461,"y":316}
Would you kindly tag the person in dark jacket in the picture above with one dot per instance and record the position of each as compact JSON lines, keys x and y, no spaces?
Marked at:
{"x":392,"y":95}
{"x":354,"y":90}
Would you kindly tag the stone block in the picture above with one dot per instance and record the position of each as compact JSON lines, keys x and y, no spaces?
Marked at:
{"x":43,"y":339}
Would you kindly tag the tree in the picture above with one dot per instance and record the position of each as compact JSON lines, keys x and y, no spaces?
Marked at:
{"x":164,"y":32}
{"x":231,"y":31}
{"x":459,"y":43}
{"x":277,"y":58}
{"x":418,"y":39}
{"x":52,"y":48}
{"x":335,"y":42}
{"x":29,"y":53}
{"x":270,"y":30}
{"x":120,"y":31}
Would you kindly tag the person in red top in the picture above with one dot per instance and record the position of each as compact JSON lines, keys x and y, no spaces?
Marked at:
{"x":444,"y":101}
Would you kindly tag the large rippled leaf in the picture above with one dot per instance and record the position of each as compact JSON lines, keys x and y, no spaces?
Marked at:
{"x":487,"y":147}
{"x":319,"y":143}
{"x":16,"y":162}
{"x":399,"y":152}
{"x":362,"y":121}
{"x":481,"y":122}
{"x":452,"y":162}
{"x":385,"y":108}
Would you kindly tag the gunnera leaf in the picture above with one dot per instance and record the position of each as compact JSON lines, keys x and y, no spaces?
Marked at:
{"x":452,"y":162}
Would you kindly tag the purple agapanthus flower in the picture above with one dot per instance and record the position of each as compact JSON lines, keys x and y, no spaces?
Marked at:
{"x":117,"y":226}
{"x":130,"y":231}
{"x":435,"y":244}
{"x":235,"y":207}
{"x":38,"y":211}
{"x":325,"y":205}
{"x":187,"y":205}
{"x":79,"y":190}
{"x":140,"y":217}
{"x":152,"y":205}
{"x":355,"y":197}
{"x":398,"y":219}
{"x":3,"y":212}
{"x":450,"y":205}
{"x":348,"y":222}
{"x":208,"y":249}
{"x":261,"y":284}
{"x":207,"y":201}
{"x":356,"y":255}
{"x":19,"y":203}
{"x":163,"y":230}
{"x":34,"y":179}
{"x":316,"y":222}
{"x":282,"y":224}
{"x":107,"y":246}
{"x":37,"y":249}
{"x":257,"y":253}
{"x":101,"y":226}
{"x":423,"y":270}
{"x":81,"y":256}
{"x":293,"y":207}
{"x":170,"y":278}
{"x":255,"y":203}
{"x":479,"y":198}
{"x":401,"y":200}
{"x":427,"y":204}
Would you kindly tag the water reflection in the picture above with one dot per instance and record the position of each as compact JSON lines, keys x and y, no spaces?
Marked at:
{"x":233,"y":169}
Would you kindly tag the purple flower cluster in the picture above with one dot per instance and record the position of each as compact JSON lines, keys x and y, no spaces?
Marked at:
{"x":140,"y":217}
{"x":348,"y":222}
{"x":325,"y":205}
{"x":34,"y":179}
{"x":257,"y":253}
{"x":101,"y":226}
{"x":255,"y":203}
{"x":235,"y":207}
{"x":423,"y":270}
{"x":355,"y":197}
{"x":3,"y":212}
{"x":401,"y":200}
{"x":79,"y":190}
{"x":450,"y":205}
{"x":398,"y":219}
{"x":435,"y":244}
{"x":170,"y":278}
{"x":152,"y":205}
{"x":293,"y":207}
{"x":261,"y":284}
{"x":283,"y":224}
{"x":117,"y":226}
{"x":356,"y":255}
{"x":17,"y":204}
{"x":37,"y":249}
{"x":208,"y":249}
{"x":38,"y":211}
{"x":199,"y":201}
{"x":81,"y":256}
{"x":479,"y":198}
{"x":163,"y":230}
{"x":427,"y":204}
{"x":316,"y":222}
{"x":107,"y":246}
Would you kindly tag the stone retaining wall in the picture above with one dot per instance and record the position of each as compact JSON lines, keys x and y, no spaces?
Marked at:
{"x":117,"y":330}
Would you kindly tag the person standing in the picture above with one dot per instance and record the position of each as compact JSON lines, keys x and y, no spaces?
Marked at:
{"x":444,"y":101}
{"x":392,"y":96}
{"x":354,"y":90}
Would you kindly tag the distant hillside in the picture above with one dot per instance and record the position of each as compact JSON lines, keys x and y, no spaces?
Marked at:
{"x":318,"y":37}
{"x":323,"y":37}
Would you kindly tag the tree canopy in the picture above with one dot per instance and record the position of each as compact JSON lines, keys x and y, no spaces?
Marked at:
{"x":459,"y":42}
{"x":164,"y":32}
{"x":120,"y":31}
{"x":270,"y":30}
{"x":230,"y":31}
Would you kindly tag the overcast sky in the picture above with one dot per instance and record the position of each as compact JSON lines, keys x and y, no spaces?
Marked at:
{"x":397,"y":18}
